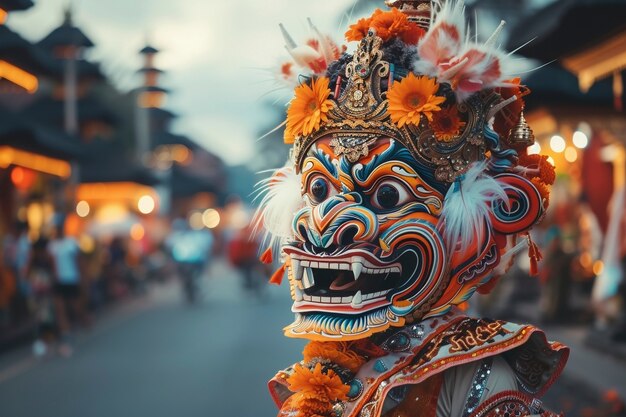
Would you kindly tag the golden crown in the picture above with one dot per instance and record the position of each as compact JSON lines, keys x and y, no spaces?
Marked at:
{"x":440,"y":109}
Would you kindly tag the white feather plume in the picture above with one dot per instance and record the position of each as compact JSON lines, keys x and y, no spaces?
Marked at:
{"x":448,"y":52}
{"x":280,"y":199}
{"x":467,"y":205}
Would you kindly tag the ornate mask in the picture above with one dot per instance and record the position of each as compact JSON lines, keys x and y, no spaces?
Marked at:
{"x":401,"y":198}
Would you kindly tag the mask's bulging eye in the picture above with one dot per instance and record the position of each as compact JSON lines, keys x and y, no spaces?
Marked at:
{"x":389,"y":195}
{"x":319,"y":189}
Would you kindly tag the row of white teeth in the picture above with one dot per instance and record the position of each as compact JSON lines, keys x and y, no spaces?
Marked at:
{"x":298,"y":267}
{"x":356,"y":301}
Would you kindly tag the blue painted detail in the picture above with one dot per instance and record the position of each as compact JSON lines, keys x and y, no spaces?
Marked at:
{"x":380,"y":366}
{"x":356,"y":388}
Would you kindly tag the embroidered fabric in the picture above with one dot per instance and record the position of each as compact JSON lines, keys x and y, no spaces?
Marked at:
{"x":512,"y":403}
{"x":478,"y":387}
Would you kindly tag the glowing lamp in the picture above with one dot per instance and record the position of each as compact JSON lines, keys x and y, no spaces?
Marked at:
{"x":146,"y":204}
{"x":211,"y":218}
{"x":580,"y":140}
{"x":534,"y":149}
{"x":82,"y":208}
{"x":557,"y":143}
{"x":195,"y":220}
{"x":571,"y":155}
{"x":22,"y":178}
{"x":137,"y":231}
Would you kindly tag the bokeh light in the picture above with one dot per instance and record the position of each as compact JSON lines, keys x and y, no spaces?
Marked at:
{"x":137,"y":231}
{"x":195,"y":220}
{"x":571,"y":154}
{"x":557,"y":143}
{"x":146,"y":204}
{"x":580,"y":140}
{"x":82,"y":208}
{"x":211,"y":218}
{"x":534,"y":149}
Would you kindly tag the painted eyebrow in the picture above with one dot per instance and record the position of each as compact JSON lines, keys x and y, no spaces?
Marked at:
{"x":391,"y":154}
{"x":326,"y":161}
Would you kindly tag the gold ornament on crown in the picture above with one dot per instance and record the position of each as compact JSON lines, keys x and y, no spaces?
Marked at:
{"x":360,"y":116}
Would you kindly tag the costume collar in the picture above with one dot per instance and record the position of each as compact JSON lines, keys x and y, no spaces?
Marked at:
{"x":421,"y":350}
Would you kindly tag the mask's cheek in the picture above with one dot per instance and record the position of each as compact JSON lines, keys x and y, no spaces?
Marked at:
{"x":418,"y":246}
{"x":476,"y":267}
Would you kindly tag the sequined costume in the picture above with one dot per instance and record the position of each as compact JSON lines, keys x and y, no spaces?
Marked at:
{"x":409,"y":187}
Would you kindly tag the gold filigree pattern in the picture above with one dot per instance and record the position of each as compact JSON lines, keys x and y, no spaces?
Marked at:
{"x":353,"y":146}
{"x":362,"y":109}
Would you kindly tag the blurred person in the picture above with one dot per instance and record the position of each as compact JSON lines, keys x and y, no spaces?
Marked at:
{"x":94,"y":258}
{"x":16,"y":253}
{"x":243,"y":254}
{"x":556,"y":278}
{"x":40,"y":272}
{"x":64,"y":252}
{"x":116,"y":268}
{"x":191,"y":251}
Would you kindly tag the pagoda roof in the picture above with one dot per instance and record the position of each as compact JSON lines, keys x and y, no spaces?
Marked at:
{"x":159,"y":113}
{"x":566,"y":27}
{"x":554,"y":85}
{"x":109,"y":161}
{"x":150,"y":69}
{"x":168,"y":138}
{"x":14,"y":5}
{"x":152,"y":89}
{"x":186,"y":184}
{"x":148,"y":50}
{"x":66,"y":35}
{"x":51,"y":112}
{"x":15,"y":131}
{"x":20,"y":52}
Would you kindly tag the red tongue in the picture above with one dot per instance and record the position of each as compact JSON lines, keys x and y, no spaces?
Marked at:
{"x":343,"y":281}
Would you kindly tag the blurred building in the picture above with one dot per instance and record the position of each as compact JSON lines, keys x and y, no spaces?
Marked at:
{"x":34,"y":158}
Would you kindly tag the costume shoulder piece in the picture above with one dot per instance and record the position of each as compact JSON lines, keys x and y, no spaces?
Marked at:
{"x":424,"y":351}
{"x":409,"y":187}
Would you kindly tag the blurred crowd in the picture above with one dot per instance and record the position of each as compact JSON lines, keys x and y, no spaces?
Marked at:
{"x":50,"y":282}
{"x":576,"y":283}
{"x":59,"y":281}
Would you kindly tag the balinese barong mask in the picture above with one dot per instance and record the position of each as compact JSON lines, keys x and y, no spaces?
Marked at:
{"x":410,"y":186}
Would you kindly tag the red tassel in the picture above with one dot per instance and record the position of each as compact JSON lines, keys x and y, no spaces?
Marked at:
{"x":535,"y":256}
{"x":277,"y":278}
{"x":267,"y":257}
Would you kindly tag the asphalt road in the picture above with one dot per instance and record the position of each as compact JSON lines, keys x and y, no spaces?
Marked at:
{"x":162,"y":358}
{"x":158,"y":357}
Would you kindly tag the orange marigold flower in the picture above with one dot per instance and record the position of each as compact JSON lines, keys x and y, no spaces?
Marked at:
{"x":336,"y":352}
{"x":359,"y":30}
{"x":316,"y":384}
{"x":395,"y":24}
{"x":308,"y":109}
{"x":413,"y":97}
{"x":447,"y":124}
{"x":314,"y":408}
{"x":538,"y":167}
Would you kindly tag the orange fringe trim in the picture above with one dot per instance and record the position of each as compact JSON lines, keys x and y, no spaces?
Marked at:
{"x":535,"y":256}
{"x":267,"y":257}
{"x":277,"y":277}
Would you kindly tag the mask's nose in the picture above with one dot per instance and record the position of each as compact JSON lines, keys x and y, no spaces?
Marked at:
{"x":340,"y":220}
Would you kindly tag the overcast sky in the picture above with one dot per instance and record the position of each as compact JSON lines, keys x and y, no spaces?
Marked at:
{"x":213,"y":52}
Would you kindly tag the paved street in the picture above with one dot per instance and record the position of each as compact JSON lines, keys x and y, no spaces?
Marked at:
{"x":160,"y":358}
{"x":157,"y":357}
